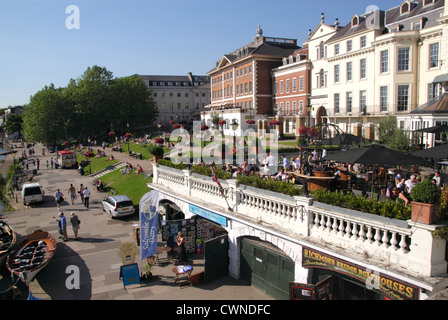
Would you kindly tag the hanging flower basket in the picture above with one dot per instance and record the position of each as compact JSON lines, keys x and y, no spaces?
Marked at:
{"x":274,"y":122}
{"x":204,"y":127}
{"x":66,"y":143}
{"x":159,"y":140}
{"x":250,"y":122}
{"x":128,"y":135}
{"x":221,"y":122}
{"x":177,"y":126}
{"x":172,"y":122}
{"x":112,"y":134}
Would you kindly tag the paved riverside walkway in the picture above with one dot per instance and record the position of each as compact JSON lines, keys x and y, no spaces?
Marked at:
{"x":96,"y":256}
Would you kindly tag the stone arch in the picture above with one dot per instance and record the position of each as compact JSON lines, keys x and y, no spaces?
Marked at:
{"x":321,"y":113}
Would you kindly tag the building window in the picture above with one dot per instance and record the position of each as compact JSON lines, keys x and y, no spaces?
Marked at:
{"x":275,"y":87}
{"x":280,"y":110}
{"x":294,"y":84}
{"x":434,"y":55}
{"x":383,"y":98}
{"x":363,"y":68}
{"x":287,"y":109}
{"x":434,"y":90}
{"x":336,"y":49}
{"x":336,"y":103}
{"x":336,"y":73}
{"x":403,"y":98}
{"x":405,"y":7}
{"x":384,"y":61}
{"x":321,"y":78}
{"x":403,"y":59}
{"x":349,"y":71}
{"x":281,"y":87}
{"x":287,"y":85}
{"x":294,"y":108}
{"x":250,"y":86}
{"x":417,"y":25}
{"x":322,"y":50}
{"x":363,"y":101}
{"x":301,"y":84}
{"x":300,"y":107}
{"x":349,"y":45}
{"x":426,"y":2}
{"x":349,"y":102}
{"x":363,"y":41}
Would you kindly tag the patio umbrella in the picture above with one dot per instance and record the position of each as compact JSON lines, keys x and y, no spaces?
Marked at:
{"x":438,"y":152}
{"x":436,"y":129}
{"x":376,"y":155}
{"x":345,"y":139}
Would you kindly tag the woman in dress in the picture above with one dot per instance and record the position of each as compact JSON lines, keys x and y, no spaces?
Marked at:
{"x":181,"y":252}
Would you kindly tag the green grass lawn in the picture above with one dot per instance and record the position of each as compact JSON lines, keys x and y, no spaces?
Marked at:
{"x":96,"y":164}
{"x":132,"y":185}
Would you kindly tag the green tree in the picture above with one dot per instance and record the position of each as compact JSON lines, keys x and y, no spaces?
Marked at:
{"x":14,"y":123}
{"x":45,"y":117}
{"x":393,"y":137}
{"x":132,"y":105}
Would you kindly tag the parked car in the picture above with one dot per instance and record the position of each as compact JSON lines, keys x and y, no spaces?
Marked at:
{"x":32,"y":193}
{"x":118,"y":206}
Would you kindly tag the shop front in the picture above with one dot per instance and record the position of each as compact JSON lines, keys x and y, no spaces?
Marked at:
{"x":336,"y":279}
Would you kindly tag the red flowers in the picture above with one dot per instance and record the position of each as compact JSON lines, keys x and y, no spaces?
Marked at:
{"x":89,"y":154}
{"x":250,"y":121}
{"x":305,"y":131}
{"x":177,"y":126}
{"x":204,"y":127}
{"x":274,"y":122}
{"x":221,"y":122}
{"x":128,"y":135}
{"x":172,"y":122}
{"x":112,"y":134}
{"x":159,"y":140}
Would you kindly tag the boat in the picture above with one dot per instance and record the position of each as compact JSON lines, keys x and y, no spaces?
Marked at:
{"x":7,"y":239}
{"x":31,"y":255}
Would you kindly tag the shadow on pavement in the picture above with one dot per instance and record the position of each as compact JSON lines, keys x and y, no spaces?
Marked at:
{"x":64,"y":272}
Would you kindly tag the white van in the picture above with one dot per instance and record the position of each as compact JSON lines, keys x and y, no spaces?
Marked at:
{"x":32,"y":193}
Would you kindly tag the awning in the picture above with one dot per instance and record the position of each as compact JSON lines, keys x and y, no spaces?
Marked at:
{"x":441,"y":78}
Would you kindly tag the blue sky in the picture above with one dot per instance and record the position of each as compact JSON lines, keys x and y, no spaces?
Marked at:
{"x":171,"y":37}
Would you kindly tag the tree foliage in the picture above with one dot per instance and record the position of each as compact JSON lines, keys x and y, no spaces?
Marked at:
{"x":393,"y":137}
{"x":90,"y":106}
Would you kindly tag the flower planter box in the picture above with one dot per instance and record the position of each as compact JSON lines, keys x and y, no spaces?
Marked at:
{"x":156,"y":158}
{"x":423,"y":212}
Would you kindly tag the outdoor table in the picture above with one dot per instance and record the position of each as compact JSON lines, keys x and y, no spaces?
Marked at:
{"x":161,"y":250}
{"x":179,"y":274}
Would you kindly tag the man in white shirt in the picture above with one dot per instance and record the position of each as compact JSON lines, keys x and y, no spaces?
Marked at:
{"x":86,"y":194}
{"x":269,"y":164}
{"x":410,"y":183}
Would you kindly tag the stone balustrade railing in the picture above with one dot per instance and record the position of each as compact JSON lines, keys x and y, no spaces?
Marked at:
{"x":402,"y":244}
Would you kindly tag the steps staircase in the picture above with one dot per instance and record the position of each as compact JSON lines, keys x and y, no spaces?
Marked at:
{"x":108,"y":169}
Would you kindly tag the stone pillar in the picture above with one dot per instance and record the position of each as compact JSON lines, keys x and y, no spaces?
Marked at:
{"x":370,"y":131}
{"x":187,"y":186}
{"x":357,"y":129}
{"x":155,"y":173}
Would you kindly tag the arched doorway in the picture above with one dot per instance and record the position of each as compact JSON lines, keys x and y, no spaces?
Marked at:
{"x":321,"y":115}
{"x":266,"y":267}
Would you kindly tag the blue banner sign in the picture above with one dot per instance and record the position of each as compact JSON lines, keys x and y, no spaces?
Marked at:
{"x":209,"y":215}
{"x":149,"y":221}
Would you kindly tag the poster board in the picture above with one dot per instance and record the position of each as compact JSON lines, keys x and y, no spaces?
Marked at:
{"x":130,"y":274}
{"x":188,"y":228}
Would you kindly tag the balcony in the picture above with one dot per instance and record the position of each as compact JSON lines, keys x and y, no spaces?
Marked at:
{"x":401,"y":246}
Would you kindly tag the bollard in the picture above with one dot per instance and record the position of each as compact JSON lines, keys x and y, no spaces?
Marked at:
{"x":17,"y":199}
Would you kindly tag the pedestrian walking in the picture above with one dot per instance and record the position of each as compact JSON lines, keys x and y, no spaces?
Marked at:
{"x":48,"y":164}
{"x":58,"y":196}
{"x":75,"y":224}
{"x":37,"y":163}
{"x":72,"y":193}
{"x":51,"y":163}
{"x":81,"y":193}
{"x":86,"y":193}
{"x":62,"y":224}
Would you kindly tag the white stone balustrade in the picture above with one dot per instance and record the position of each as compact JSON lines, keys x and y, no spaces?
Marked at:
{"x":402,"y":244}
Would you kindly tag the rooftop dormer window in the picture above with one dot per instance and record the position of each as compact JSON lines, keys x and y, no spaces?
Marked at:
{"x":427,"y":2}
{"x":355,"y":21}
{"x":406,"y":7}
